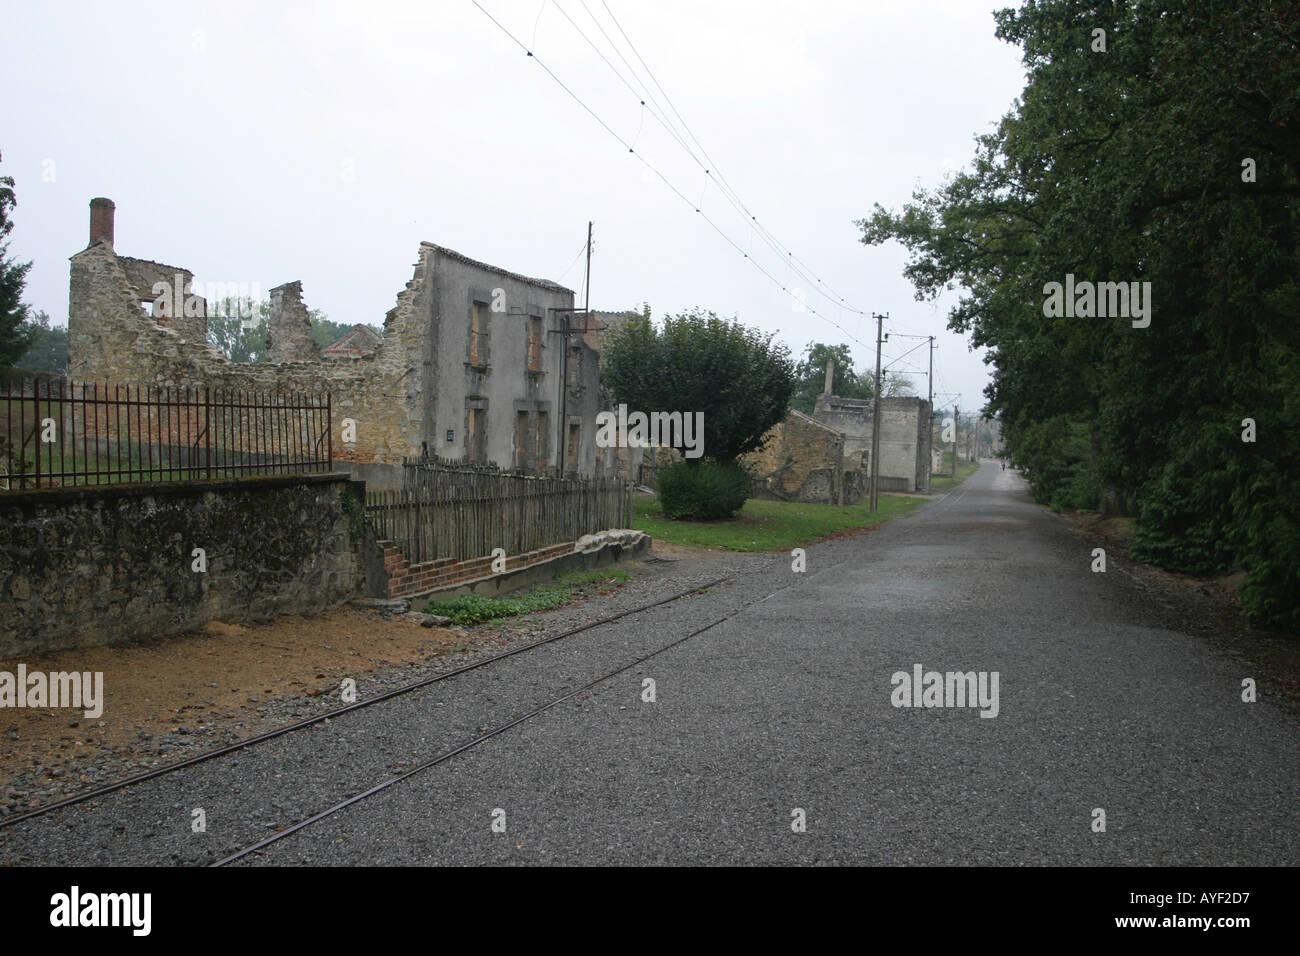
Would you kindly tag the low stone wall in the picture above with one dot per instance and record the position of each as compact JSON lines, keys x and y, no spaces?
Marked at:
{"x":81,"y":567}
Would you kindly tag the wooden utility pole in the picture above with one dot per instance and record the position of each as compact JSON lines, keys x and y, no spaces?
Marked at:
{"x":929,"y":422}
{"x":930,"y":377}
{"x":956,"y":414}
{"x":875,"y":421}
{"x":564,"y":362}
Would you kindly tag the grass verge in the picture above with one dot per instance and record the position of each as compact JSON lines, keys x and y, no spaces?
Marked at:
{"x":769,"y":525}
{"x":946,"y":483}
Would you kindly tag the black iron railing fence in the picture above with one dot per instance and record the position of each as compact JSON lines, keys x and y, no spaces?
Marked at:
{"x":54,"y":432}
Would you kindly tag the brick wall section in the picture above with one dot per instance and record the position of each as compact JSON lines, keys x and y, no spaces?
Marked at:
{"x":111,"y":339}
{"x":81,"y":567}
{"x":406,"y":579}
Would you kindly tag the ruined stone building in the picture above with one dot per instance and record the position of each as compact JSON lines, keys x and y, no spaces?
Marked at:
{"x":904,"y":436}
{"x":359,"y":342}
{"x":803,"y":459}
{"x":826,"y":456}
{"x":470,"y":366}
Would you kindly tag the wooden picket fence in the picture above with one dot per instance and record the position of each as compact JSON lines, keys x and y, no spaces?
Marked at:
{"x":466,"y":512}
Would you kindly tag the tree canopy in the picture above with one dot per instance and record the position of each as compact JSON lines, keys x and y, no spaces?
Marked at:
{"x":697,"y":362}
{"x":1154,"y":142}
{"x":15,"y":332}
{"x":810,"y":376}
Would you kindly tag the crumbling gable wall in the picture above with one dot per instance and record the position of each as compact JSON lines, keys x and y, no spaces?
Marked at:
{"x":170,"y":292}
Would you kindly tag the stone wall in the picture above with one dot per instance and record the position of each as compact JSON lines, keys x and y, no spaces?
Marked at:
{"x":803,"y":460}
{"x":288,"y":327}
{"x":81,"y":567}
{"x":601,"y":325}
{"x":637,"y":465}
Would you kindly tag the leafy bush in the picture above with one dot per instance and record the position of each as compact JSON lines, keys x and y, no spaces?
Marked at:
{"x":702,"y":491}
{"x":1054,"y":453}
{"x":1185,"y":521}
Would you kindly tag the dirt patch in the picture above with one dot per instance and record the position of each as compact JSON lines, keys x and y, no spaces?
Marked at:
{"x":226,"y":674}
{"x":674,"y":552}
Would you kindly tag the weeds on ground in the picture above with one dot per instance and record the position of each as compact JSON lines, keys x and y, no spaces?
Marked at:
{"x":475,"y":609}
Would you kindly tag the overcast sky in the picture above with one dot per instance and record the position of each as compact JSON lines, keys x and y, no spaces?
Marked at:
{"x":266,"y":142}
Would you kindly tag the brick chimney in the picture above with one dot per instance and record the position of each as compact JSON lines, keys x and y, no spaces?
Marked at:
{"x":101,"y":220}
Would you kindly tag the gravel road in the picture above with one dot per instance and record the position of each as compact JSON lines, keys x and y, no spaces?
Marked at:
{"x":782,"y":714}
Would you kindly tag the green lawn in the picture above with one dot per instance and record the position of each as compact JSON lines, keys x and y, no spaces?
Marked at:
{"x":768,"y":525}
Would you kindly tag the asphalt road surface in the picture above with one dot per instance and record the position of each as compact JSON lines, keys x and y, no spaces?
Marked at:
{"x":773,"y":736}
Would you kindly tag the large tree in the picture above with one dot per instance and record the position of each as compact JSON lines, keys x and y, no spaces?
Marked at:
{"x":1155,"y":142}
{"x":697,"y":362}
{"x":237,"y":328}
{"x":15,"y":333}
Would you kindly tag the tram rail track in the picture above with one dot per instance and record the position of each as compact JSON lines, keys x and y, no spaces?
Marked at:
{"x":357,"y":798}
{"x":239,"y":745}
{"x":462,"y":748}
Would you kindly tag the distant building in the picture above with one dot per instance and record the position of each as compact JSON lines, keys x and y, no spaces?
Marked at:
{"x":826,"y":456}
{"x":361,"y":341}
{"x":904,"y":437}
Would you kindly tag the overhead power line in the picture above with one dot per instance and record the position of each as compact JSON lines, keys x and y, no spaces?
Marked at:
{"x":604,"y":125}
{"x":721,"y":179}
